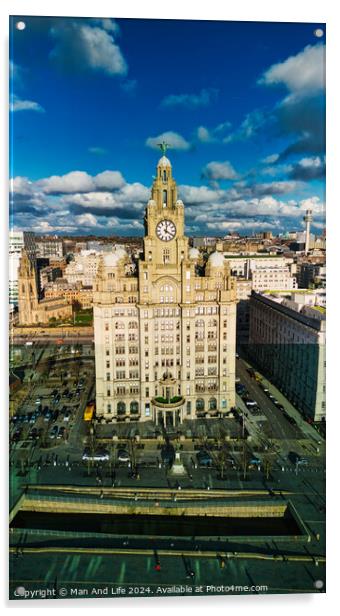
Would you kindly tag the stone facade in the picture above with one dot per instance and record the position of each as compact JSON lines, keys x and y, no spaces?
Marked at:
{"x":287,"y":340}
{"x":32,"y":309}
{"x":165,"y":326}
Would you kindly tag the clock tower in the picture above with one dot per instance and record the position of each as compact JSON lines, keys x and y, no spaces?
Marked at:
{"x":164,"y":242}
{"x":164,"y":330}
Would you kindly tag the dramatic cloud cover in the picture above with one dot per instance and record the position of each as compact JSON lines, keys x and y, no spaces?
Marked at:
{"x":97,"y":96}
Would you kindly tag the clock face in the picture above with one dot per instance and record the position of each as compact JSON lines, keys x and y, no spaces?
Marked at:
{"x":166,"y":230}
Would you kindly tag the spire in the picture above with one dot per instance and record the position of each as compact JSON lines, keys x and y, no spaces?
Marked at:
{"x":164,"y":191}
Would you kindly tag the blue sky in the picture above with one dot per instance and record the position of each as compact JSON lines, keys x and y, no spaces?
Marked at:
{"x":241,"y":105}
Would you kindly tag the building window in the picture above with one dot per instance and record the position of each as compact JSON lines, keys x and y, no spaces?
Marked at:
{"x":121,"y":408}
{"x":189,"y":407}
{"x":134,"y":407}
{"x":199,"y":404}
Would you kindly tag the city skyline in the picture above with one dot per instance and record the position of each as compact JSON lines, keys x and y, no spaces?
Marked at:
{"x":246,"y":136}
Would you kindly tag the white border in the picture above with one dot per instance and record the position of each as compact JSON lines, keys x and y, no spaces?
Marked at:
{"x":243,"y":10}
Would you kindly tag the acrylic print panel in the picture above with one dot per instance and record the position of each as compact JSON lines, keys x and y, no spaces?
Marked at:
{"x":167,"y":308}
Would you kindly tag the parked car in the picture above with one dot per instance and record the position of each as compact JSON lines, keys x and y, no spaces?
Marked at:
{"x":61,"y":432}
{"x":204,"y":458}
{"x":33,"y":434}
{"x":123,"y":456}
{"x":67,"y":416}
{"x":296,"y":459}
{"x":54,"y":431}
{"x":16,"y":435}
{"x":240,"y":388}
{"x":100,"y":455}
{"x":254,"y":462}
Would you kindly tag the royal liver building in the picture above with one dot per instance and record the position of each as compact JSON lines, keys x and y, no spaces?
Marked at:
{"x":164,"y":328}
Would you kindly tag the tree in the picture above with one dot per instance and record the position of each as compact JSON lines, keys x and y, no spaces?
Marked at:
{"x":76,"y":306}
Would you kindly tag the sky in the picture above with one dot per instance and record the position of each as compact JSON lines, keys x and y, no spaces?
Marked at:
{"x":241,"y":105}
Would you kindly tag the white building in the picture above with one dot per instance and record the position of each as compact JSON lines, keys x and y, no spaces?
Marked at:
{"x":83,"y":268}
{"x":275,"y":277}
{"x":165,"y":332}
{"x":18,"y":240}
{"x":49,"y":247}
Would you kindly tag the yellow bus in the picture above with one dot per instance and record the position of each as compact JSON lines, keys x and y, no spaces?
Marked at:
{"x":89,"y":411}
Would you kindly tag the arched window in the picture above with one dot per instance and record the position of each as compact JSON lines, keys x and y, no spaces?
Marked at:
{"x":165,"y":198}
{"x":164,"y":175}
{"x":133,"y":407}
{"x":121,"y":408}
{"x":212,"y":404}
{"x":199,"y":404}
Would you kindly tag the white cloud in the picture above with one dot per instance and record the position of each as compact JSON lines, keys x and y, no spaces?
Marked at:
{"x":110,"y":25}
{"x":301,"y":74}
{"x":82,"y":47}
{"x":75,"y":181}
{"x":175,"y":141}
{"x":191,"y":101}
{"x":204,"y":135}
{"x":242,"y":225}
{"x":198,"y":194}
{"x":16,"y":74}
{"x":252,"y":123}
{"x":21,"y":186}
{"x":216,"y":170}
{"x":311,"y":168}
{"x":314,"y":204}
{"x":135,"y":192}
{"x":109,"y":180}
{"x":18,"y":104}
{"x":80,"y":181}
{"x":91,"y":199}
{"x":86,"y":220}
{"x":212,"y":135}
{"x":272,"y":158}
